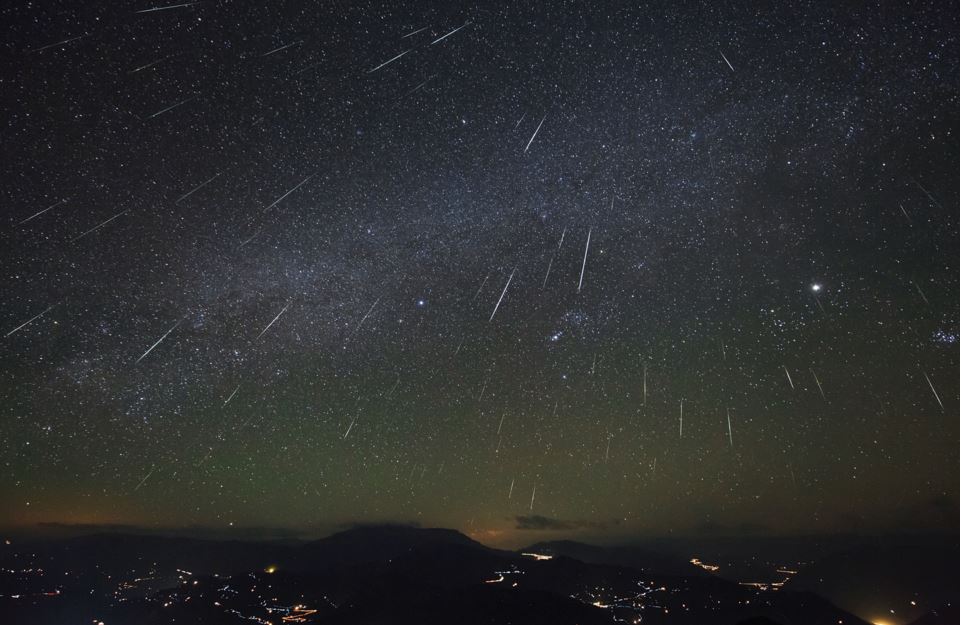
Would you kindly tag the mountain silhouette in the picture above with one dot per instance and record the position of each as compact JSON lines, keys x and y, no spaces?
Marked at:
{"x":373,"y":575}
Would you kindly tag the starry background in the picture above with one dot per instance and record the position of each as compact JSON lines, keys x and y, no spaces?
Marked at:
{"x":318,"y":242}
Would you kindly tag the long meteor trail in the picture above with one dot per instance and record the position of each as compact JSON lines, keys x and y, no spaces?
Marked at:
{"x":480,"y":287}
{"x":349,"y":428}
{"x":936,"y":396}
{"x":171,"y":107}
{"x":280,"y":199}
{"x":281,"y":48}
{"x":535,"y":134}
{"x":195,"y":189}
{"x":547,"y":275}
{"x":59,"y":43}
{"x":37,"y":214}
{"x":726,"y":61}
{"x":414,"y":33}
{"x":166,"y":8}
{"x":730,"y":436}
{"x":98,"y":226}
{"x":371,"y":71}
{"x":144,"y":480}
{"x":232,"y":395}
{"x":788,"y":374}
{"x":274,"y":320}
{"x":467,"y":23}
{"x":28,"y":321}
{"x":587,"y":247}
{"x":160,"y":340}
{"x":363,"y":319}
{"x":818,"y":382}
{"x":151,"y":64}
{"x":496,"y":306}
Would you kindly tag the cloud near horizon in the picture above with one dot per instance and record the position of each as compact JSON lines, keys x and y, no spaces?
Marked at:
{"x":543,"y":523}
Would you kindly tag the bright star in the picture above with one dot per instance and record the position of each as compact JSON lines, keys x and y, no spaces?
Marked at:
{"x":815,"y":287}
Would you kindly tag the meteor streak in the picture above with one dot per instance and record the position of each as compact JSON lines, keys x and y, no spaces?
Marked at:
{"x":414,"y":33}
{"x":587,"y":247}
{"x":281,"y":48}
{"x":28,"y":321}
{"x":160,"y":340}
{"x":502,"y":295}
{"x":278,"y":200}
{"x":37,"y":214}
{"x":363,"y":319}
{"x":936,"y":396}
{"x":195,"y":189}
{"x":726,"y":61}
{"x":371,"y":71}
{"x":535,"y":134}
{"x":98,"y":226}
{"x":232,"y":395}
{"x":145,"y":478}
{"x":730,"y":436}
{"x":273,"y":321}
{"x":171,"y":107}
{"x":166,"y":8}
{"x":818,"y":382}
{"x":788,"y":374}
{"x":450,"y":33}
{"x":59,"y":43}
{"x":680,"y":422}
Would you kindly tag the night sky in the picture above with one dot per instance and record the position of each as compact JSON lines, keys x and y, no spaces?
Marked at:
{"x":574,"y":268}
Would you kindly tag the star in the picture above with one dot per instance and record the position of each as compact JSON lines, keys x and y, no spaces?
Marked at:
{"x":212,"y":271}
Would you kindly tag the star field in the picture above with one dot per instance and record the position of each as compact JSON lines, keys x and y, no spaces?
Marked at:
{"x":634,"y":270}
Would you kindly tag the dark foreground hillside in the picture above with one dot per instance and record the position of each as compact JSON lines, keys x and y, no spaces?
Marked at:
{"x":367,"y":575}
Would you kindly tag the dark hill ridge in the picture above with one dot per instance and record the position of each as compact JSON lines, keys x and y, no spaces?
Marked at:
{"x":115,"y":553}
{"x":374,"y":575}
{"x":374,"y":544}
{"x":630,"y":556}
{"x":885,"y":574}
{"x":352,"y":547}
{"x":867,"y":575}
